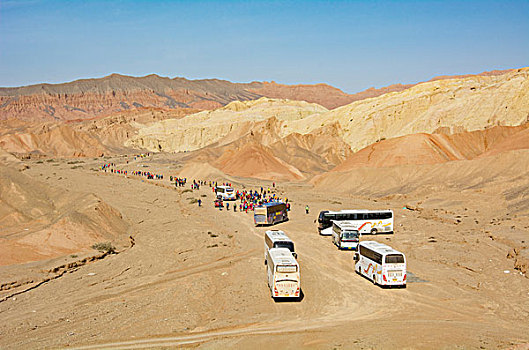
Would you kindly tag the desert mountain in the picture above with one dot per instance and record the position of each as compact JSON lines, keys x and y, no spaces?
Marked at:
{"x":89,"y":98}
{"x":293,"y":157}
{"x":472,"y":103}
{"x":85,"y":138}
{"x":221,"y":126}
{"x":54,"y":140}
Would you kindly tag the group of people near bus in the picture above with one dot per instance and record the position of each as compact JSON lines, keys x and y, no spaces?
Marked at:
{"x":253,"y":198}
{"x":248,"y":199}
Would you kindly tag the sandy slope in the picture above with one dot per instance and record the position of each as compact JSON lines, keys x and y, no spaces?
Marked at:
{"x":40,"y":222}
{"x":437,"y":148}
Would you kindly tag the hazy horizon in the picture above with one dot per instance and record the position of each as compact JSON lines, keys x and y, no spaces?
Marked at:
{"x":351,"y":45}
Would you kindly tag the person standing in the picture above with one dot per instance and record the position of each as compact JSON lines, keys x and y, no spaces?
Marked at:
{"x":199,"y":202}
{"x":307,"y":209}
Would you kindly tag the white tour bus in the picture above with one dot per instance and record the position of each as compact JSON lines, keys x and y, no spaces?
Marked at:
{"x":345,"y":235}
{"x":283,"y":274}
{"x":380,"y":263}
{"x":225,"y":193}
{"x":366,"y":221}
{"x":277,"y":239}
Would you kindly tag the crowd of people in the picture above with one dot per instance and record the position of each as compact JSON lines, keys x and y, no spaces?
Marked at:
{"x":142,"y":155}
{"x":107,"y":166}
{"x":111,"y":168}
{"x":246,"y":200}
{"x":178,"y":181}
{"x":249,"y":199}
{"x":147,"y":174}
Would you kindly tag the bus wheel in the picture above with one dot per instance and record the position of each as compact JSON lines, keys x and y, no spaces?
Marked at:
{"x":374,"y":280}
{"x":374,"y":231}
{"x":358,"y":270}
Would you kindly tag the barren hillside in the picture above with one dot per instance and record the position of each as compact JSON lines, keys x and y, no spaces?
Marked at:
{"x":40,"y":222}
{"x":89,"y":98}
{"x":472,"y":103}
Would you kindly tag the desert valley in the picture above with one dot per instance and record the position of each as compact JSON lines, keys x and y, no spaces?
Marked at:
{"x":94,"y":257}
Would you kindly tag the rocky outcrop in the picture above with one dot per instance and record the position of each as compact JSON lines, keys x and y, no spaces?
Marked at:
{"x":467,"y":104}
{"x":218,"y":127}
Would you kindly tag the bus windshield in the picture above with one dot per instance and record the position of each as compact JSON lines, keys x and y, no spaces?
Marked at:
{"x":229,"y":190}
{"x":260,"y":211}
{"x":288,"y":245}
{"x":394,"y":259}
{"x":349,"y":235}
{"x":287,"y":268}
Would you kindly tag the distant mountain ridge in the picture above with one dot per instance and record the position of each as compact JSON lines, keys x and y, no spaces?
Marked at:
{"x":89,"y":98}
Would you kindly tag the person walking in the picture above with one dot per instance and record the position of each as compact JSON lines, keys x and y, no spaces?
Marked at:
{"x":199,"y":202}
{"x":227,"y":206}
{"x":307,"y":209}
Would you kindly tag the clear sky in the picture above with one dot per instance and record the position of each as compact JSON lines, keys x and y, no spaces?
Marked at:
{"x":352,"y":45}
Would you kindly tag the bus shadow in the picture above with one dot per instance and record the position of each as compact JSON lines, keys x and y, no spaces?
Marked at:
{"x":291,"y":300}
{"x":272,"y":224}
{"x":381,"y":286}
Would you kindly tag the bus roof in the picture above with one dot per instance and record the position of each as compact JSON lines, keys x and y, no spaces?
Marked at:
{"x":380,"y":248}
{"x":277,"y":235}
{"x":271,"y":204}
{"x":225,"y":187}
{"x":282,"y":256}
{"x":358,"y":211}
{"x":345,"y":224}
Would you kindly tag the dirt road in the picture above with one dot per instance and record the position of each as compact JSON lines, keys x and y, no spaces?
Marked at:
{"x":195,"y":277}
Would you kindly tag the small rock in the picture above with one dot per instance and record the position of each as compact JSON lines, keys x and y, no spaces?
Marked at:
{"x":224,"y":274}
{"x":91,"y":274}
{"x":506,"y":271}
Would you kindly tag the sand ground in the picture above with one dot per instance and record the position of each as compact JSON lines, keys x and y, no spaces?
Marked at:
{"x":195,"y":276}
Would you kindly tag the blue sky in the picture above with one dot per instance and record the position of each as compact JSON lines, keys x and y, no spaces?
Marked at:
{"x":352,"y":45}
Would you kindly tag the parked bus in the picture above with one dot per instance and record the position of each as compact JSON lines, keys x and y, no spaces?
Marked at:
{"x":366,"y":221}
{"x":381,"y":263}
{"x":345,"y":235}
{"x":225,"y":193}
{"x":270,"y":213}
{"x":283,"y":274}
{"x":277,"y":239}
